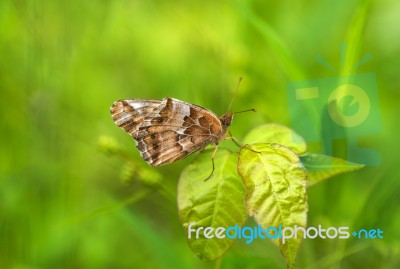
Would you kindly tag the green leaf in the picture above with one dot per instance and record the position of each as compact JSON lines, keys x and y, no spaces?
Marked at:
{"x":216,"y":202}
{"x":275,"y":184}
{"x":320,"y":167}
{"x":276,"y":133}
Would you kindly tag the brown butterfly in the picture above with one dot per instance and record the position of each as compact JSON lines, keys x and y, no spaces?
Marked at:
{"x":168,"y":130}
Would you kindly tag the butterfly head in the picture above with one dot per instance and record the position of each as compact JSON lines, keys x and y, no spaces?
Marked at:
{"x":226,"y":120}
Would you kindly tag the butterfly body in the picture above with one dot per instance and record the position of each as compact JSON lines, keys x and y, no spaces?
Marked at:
{"x":168,"y":130}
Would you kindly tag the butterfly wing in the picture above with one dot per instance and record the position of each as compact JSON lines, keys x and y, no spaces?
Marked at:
{"x":169,"y":130}
{"x":129,"y":114}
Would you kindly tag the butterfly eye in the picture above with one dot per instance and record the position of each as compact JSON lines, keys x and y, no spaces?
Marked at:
{"x":226,"y":119}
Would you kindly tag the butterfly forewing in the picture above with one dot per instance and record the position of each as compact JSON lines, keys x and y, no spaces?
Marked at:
{"x":168,"y":130}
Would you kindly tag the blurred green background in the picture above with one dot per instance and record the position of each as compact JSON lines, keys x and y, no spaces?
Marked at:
{"x":64,"y":203}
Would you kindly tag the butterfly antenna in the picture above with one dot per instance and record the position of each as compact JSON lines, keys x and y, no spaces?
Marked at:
{"x":247,"y":110}
{"x":234,"y":95}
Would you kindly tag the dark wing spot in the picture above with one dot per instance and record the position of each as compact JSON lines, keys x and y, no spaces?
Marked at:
{"x":157,"y":120}
{"x":204,"y":122}
{"x":193,"y":113}
{"x":166,"y":112}
{"x":188,"y":121}
{"x":156,"y":146}
{"x":194,"y":130}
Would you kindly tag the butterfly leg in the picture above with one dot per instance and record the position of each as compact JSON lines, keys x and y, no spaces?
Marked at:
{"x":212,"y":160}
{"x":234,"y":140}
{"x":239,"y":144}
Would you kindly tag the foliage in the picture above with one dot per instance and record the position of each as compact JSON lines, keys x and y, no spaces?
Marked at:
{"x":217,"y":202}
{"x":275,"y":183}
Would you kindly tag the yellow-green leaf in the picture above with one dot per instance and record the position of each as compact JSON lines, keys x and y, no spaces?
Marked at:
{"x":279,"y":134}
{"x":320,"y":167}
{"x":216,"y":202}
{"x":275,"y":184}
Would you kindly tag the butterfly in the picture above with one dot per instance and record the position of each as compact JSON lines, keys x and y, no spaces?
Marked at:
{"x":168,"y":130}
